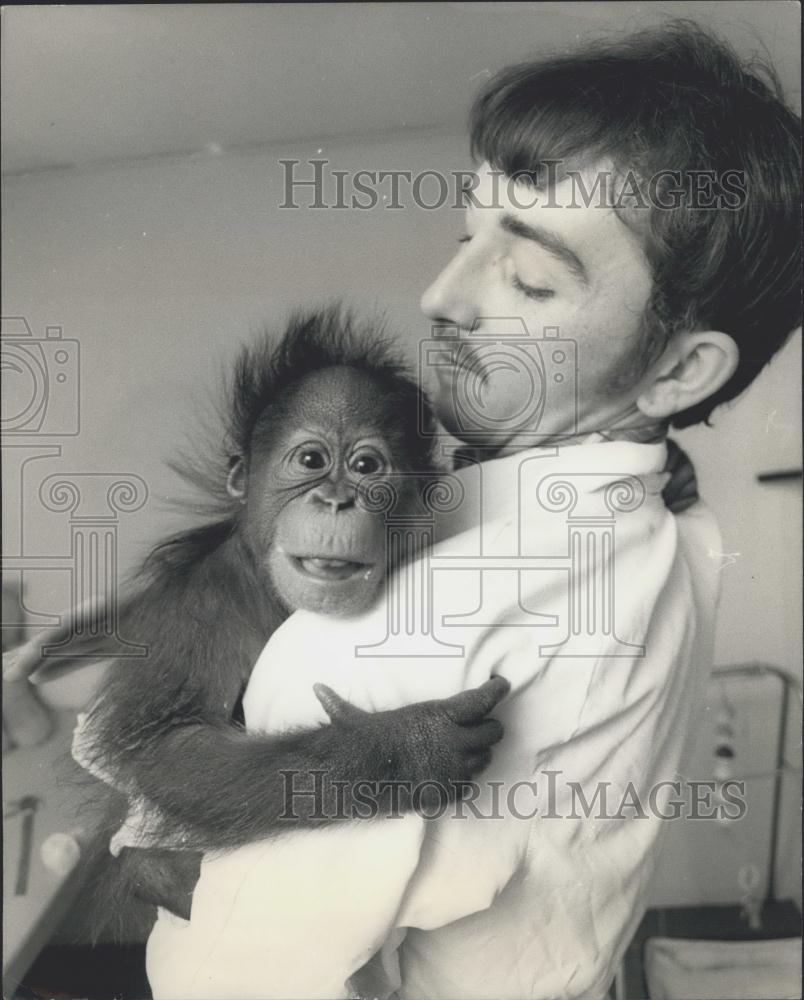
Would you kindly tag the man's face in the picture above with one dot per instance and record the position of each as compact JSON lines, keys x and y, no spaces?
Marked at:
{"x":553,"y":264}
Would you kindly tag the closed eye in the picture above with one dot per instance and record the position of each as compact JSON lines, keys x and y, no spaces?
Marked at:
{"x":539,"y":294}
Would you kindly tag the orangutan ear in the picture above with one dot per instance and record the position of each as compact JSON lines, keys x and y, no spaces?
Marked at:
{"x":237,"y":480}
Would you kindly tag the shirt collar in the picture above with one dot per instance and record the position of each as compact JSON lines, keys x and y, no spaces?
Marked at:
{"x":596,"y":463}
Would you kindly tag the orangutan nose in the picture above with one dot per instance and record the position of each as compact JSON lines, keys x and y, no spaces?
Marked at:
{"x":336,"y":497}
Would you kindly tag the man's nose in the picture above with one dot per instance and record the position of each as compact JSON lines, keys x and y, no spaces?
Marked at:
{"x":452,"y":297}
{"x":336,"y":496}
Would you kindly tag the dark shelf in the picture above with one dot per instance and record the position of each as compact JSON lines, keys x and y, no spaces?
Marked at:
{"x":778,"y":476}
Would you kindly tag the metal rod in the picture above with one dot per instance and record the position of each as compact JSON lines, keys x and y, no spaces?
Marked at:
{"x":777,"y":793}
{"x":28,"y":810}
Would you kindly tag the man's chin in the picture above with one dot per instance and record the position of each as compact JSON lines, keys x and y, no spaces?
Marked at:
{"x":477,"y":435}
{"x":473,"y":436}
{"x":455,"y":428}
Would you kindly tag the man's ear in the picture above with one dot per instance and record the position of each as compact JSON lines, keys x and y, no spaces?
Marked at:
{"x":691,"y":369}
{"x":237,"y":480}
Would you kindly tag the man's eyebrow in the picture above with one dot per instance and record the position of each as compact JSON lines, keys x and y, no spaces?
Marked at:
{"x":552,"y":243}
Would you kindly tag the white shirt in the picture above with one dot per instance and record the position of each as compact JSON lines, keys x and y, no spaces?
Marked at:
{"x":519,"y":905}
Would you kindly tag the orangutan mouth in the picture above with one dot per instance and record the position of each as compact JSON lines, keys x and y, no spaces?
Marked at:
{"x":325,"y":568}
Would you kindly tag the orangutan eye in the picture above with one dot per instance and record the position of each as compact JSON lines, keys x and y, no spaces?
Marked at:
{"x":367,"y":463}
{"x":312,"y":459}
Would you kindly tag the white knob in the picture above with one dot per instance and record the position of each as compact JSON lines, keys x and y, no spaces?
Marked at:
{"x":61,"y":853}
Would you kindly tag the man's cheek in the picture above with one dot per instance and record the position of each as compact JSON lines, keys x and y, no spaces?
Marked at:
{"x":444,"y":407}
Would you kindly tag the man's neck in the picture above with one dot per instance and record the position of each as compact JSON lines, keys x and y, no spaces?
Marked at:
{"x":653,"y":433}
{"x":646,"y":433}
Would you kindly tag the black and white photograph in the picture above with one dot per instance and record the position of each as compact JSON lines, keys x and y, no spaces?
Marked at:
{"x":402,"y":500}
